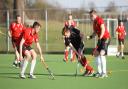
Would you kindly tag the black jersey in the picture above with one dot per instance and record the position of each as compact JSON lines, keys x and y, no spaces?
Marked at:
{"x":75,"y":38}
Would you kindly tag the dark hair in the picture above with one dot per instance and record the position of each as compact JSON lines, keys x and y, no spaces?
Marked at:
{"x":92,"y":11}
{"x":36,"y":24}
{"x":65,"y":29}
{"x":18,"y":16}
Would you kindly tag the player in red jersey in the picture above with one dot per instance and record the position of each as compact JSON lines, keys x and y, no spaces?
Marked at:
{"x":121,"y":33}
{"x":101,"y":31}
{"x":70,"y":23}
{"x":30,"y":36}
{"x":15,"y":32}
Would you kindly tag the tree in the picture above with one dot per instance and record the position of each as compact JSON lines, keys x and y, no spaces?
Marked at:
{"x":111,"y":7}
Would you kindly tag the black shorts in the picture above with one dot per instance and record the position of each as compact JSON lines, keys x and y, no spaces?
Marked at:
{"x":103,"y":45}
{"x":121,"y":41}
{"x":27,"y":48}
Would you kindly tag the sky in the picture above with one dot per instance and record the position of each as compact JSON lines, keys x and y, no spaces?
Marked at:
{"x":79,"y":3}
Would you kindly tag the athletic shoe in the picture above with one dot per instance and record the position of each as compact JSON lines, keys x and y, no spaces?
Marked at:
{"x":123,"y":57}
{"x":65,"y":60}
{"x":91,"y":73}
{"x":103,"y":76}
{"x":22,"y":76}
{"x":86,"y":73}
{"x":117,"y":56}
{"x":97,"y":75}
{"x":32,"y":76}
{"x":15,"y":65}
{"x":19,"y":65}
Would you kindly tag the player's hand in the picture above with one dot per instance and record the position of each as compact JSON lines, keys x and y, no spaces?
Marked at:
{"x":41,"y":58}
{"x":21,"y":58}
{"x":87,"y":37}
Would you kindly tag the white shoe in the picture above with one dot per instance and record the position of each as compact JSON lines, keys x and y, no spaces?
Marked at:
{"x":22,"y":76}
{"x":104,"y":75}
{"x":97,"y":75}
{"x":32,"y":76}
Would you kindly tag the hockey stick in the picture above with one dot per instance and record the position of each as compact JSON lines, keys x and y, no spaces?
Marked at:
{"x":49,"y":71}
{"x":2,"y":33}
{"x":77,"y":66}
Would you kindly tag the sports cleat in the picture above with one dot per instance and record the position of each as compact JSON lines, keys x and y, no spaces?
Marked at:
{"x":15,"y":65}
{"x":86,"y":73}
{"x":123,"y":57}
{"x":22,"y":76}
{"x":117,"y":56}
{"x":32,"y":76}
{"x":97,"y":75}
{"x":91,"y":73}
{"x":65,"y":60}
{"x":103,"y":76}
{"x":19,"y":65}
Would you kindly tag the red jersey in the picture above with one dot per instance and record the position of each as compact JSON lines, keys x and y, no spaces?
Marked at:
{"x":121,"y":32}
{"x":16,"y":30}
{"x":97,"y":27}
{"x":68,"y":24}
{"x":30,"y":37}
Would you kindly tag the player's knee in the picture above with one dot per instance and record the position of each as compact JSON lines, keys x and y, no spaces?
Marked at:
{"x":27,"y":56}
{"x":34,"y":55}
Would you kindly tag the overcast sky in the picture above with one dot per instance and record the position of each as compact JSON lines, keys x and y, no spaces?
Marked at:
{"x":79,"y":3}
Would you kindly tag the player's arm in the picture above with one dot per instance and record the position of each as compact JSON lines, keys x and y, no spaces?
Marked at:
{"x":40,"y":51}
{"x":10,"y":31}
{"x":102,"y":31}
{"x":92,"y":35}
{"x":21,"y":46}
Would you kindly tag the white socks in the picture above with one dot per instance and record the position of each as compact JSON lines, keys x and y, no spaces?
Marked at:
{"x":33,"y":63}
{"x":98,"y":63}
{"x":101,"y":64}
{"x":24,"y":66}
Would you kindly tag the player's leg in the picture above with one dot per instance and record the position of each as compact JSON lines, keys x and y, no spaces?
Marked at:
{"x":72,"y":55}
{"x":103,"y":63}
{"x":119,"y":48}
{"x":16,"y":62}
{"x":122,"y":49}
{"x":96,"y":53}
{"x":103,"y":52}
{"x":66,"y":52}
{"x":33,"y":63}
{"x":25,"y":63}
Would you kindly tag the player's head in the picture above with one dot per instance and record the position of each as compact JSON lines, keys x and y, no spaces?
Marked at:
{"x":36,"y":26}
{"x":70,"y":16}
{"x":120,"y":23}
{"x":66,"y":32}
{"x":92,"y":14}
{"x":18,"y":19}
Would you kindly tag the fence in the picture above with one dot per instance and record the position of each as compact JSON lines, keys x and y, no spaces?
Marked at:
{"x":52,"y":21}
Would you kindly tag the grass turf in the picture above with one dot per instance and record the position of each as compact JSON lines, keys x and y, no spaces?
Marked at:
{"x":64,"y":74}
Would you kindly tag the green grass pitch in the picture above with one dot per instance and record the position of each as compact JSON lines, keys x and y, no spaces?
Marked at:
{"x":64,"y":75}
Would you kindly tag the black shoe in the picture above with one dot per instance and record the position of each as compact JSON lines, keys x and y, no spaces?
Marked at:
{"x":123,"y":57}
{"x":15,"y":64}
{"x":19,"y":65}
{"x":117,"y":56}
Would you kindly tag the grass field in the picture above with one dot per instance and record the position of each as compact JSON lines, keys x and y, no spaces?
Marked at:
{"x":64,"y":74}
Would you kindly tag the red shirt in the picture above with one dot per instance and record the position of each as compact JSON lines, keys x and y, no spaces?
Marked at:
{"x":73,"y":23}
{"x":30,"y":37}
{"x":16,"y":30}
{"x":97,"y":27}
{"x":121,"y":32}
